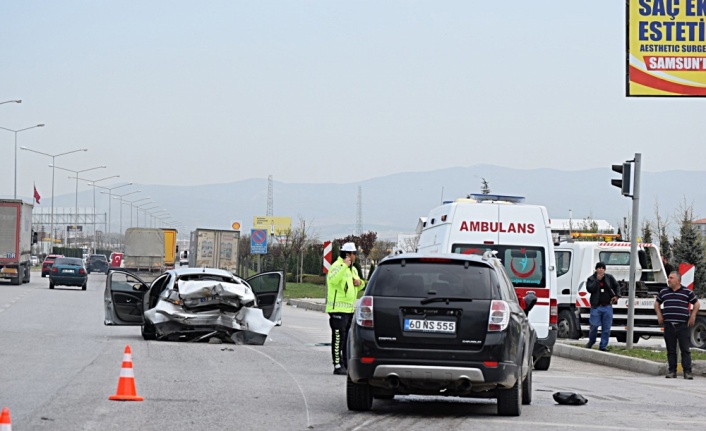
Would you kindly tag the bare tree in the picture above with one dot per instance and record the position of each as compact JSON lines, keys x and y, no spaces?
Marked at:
{"x":662,"y":229}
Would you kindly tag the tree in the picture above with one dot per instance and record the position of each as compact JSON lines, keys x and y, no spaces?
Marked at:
{"x":688,"y":248}
{"x":647,"y":238}
{"x":367,"y":242}
{"x":662,"y":227}
{"x":485,"y":187}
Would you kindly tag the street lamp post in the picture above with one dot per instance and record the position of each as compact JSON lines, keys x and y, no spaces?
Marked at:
{"x":131,"y":206}
{"x":93,"y":183}
{"x":110,"y":201}
{"x":144,"y":211}
{"x":16,"y":132}
{"x":157,"y":213}
{"x":78,"y":172}
{"x":121,"y":213}
{"x":53,"y":159}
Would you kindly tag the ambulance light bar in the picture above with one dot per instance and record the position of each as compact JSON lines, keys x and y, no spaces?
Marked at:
{"x":501,"y":198}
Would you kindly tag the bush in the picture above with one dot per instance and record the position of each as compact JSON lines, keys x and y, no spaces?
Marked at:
{"x":314,"y":279}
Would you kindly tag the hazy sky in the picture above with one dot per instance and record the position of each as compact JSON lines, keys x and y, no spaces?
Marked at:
{"x":174,"y":92}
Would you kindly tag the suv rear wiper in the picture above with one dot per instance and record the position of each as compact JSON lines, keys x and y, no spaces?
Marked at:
{"x":447,"y":299}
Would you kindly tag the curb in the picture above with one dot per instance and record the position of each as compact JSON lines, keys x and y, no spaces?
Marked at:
{"x":637,"y":365}
{"x":306,"y":304}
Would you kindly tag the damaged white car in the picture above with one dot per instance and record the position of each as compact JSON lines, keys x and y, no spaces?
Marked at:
{"x":196,"y":304}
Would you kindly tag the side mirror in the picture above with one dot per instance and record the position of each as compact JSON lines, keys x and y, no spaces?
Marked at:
{"x":529,"y":300}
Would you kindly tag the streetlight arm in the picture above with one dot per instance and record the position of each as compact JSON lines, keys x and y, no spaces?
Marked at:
{"x":53,"y":155}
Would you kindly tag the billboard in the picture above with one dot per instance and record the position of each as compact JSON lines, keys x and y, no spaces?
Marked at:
{"x":274,"y":225}
{"x":666,"y":48}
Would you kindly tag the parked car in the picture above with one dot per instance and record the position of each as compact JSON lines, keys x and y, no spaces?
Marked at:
{"x":195,"y":304}
{"x":68,"y":271}
{"x":184,"y":258}
{"x":97,"y":263}
{"x":442,"y":325}
{"x":48,"y":262}
{"x":34,"y":260}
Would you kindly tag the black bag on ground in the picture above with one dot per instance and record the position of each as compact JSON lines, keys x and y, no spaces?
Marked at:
{"x":569,"y":398}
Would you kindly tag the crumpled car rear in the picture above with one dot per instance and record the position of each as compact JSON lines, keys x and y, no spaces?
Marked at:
{"x":201,"y":309}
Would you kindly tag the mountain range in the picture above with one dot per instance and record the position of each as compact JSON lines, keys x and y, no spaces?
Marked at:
{"x":393,"y":203}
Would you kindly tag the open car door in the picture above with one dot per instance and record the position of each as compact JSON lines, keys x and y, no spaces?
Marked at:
{"x":268,"y":288}
{"x":123,"y":297}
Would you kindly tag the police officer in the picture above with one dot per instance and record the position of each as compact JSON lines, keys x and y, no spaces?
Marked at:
{"x":672,"y":308}
{"x":344,"y":283}
{"x":604,"y":292}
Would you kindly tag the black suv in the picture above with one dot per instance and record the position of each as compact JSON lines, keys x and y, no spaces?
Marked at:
{"x":441,"y":324}
{"x":97,"y":263}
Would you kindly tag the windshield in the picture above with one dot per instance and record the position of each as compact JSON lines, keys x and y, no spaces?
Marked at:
{"x":524,"y":265}
{"x":418,"y":279}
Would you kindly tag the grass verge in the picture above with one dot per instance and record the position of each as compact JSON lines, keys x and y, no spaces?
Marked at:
{"x":656,"y":355}
{"x":304,"y":290}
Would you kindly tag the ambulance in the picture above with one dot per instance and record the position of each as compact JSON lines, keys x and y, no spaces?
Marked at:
{"x":521,"y":236}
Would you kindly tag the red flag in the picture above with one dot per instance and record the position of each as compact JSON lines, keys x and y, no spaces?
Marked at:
{"x":36,"y":195}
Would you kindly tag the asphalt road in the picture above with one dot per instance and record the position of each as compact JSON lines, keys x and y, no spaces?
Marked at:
{"x":59,"y":364}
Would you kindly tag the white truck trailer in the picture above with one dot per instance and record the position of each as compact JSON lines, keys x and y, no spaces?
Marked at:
{"x":15,"y":240}
{"x":214,"y":248}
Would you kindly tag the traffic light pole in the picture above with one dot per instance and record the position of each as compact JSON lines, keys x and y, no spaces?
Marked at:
{"x":633,"y":249}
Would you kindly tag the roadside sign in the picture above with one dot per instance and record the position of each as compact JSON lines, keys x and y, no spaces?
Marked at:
{"x":235,"y":225}
{"x":258,"y":241}
{"x":328,"y":249}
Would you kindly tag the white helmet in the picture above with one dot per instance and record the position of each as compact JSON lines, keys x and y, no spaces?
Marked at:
{"x":349,"y":246}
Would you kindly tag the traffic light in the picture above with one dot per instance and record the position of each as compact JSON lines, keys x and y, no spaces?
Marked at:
{"x":35,"y":236}
{"x":624,"y":183}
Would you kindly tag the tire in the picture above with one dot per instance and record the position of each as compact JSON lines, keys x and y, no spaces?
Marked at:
{"x":543,"y":363}
{"x":359,"y":396}
{"x":51,"y":284}
{"x":567,"y":327}
{"x":510,"y":400}
{"x":527,"y":388}
{"x":84,"y":285}
{"x":43,"y":275}
{"x":623,"y":337}
{"x":20,"y":276}
{"x":148,"y":331}
{"x":698,"y":333}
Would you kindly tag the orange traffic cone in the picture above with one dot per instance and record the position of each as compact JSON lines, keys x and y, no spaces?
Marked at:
{"x":5,"y":422}
{"x":126,"y":384}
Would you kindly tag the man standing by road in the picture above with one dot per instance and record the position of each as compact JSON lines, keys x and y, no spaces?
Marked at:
{"x":604,"y":292}
{"x":344,"y":283}
{"x":672,"y":307}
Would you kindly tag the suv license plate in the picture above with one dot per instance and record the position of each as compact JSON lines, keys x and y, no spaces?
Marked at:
{"x":437,"y":326}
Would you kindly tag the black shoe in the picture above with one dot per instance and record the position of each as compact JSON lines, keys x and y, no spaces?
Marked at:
{"x":603,"y":349}
{"x":688,"y":376}
{"x":671,"y":375}
{"x":340,"y":371}
{"x":589,"y":345}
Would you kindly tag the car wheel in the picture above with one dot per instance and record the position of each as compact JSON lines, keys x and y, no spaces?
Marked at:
{"x":148,"y":331}
{"x":51,"y":284}
{"x":359,"y":396}
{"x":43,"y":275}
{"x":88,"y":271}
{"x":698,"y":333}
{"x":543,"y":363}
{"x":84,"y":285}
{"x":566,"y":325}
{"x":510,"y":400}
{"x":527,"y":388}
{"x":20,"y":276}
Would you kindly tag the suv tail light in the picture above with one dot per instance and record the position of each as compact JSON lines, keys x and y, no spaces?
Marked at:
{"x":553,"y":312}
{"x":499,"y":316}
{"x":364,"y":313}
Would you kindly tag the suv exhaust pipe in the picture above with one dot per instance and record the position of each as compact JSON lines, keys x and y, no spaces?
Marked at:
{"x":393,"y":382}
{"x":464,"y":385}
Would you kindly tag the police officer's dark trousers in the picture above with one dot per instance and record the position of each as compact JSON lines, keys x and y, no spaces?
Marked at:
{"x":340,"y":324}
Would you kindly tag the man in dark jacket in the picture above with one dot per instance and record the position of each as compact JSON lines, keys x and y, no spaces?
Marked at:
{"x":604,"y":292}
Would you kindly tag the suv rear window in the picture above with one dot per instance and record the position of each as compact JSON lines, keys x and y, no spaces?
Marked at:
{"x":420,"y":279}
{"x":98,"y":257}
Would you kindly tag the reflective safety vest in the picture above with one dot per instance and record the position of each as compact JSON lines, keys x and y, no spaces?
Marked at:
{"x":342,"y":294}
